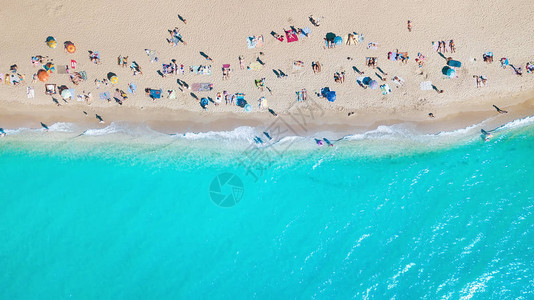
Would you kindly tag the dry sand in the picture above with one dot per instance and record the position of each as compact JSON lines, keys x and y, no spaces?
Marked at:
{"x":220,"y":28}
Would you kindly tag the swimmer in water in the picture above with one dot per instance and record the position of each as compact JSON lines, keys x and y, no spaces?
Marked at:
{"x":328,"y":142}
{"x":319,"y":142}
{"x":486,"y":135}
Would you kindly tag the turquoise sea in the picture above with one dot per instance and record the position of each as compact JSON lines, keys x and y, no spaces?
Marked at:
{"x":126,"y":213}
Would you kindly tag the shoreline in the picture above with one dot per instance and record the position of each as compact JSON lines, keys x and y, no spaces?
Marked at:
{"x":306,"y":121}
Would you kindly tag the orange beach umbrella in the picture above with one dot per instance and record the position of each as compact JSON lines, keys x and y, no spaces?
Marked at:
{"x":70,"y":47}
{"x":43,"y":75}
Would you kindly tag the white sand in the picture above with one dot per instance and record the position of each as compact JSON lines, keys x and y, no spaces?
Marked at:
{"x":220,"y":28}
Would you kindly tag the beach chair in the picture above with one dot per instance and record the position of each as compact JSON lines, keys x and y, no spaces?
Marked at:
{"x":398,"y":81}
{"x":50,"y":89}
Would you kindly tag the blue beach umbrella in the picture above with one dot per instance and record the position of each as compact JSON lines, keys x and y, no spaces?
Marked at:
{"x":338,"y":40}
{"x":331,"y":96}
{"x":449,"y":72}
{"x":204,"y":101}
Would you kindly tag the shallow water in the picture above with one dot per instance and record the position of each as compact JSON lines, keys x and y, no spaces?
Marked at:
{"x":122,"y":214}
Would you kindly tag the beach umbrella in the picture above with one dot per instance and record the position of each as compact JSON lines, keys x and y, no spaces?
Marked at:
{"x":367,"y":80}
{"x":338,"y":40}
{"x":43,"y":75}
{"x":51,"y":42}
{"x":330,"y":36}
{"x":70,"y":47}
{"x":204,"y":102}
{"x":112,"y":77}
{"x":50,"y":67}
{"x":373,"y":84}
{"x":454,"y":63}
{"x":331,"y":96}
{"x":449,"y":72}
{"x":66,"y":94}
{"x":248,"y":107}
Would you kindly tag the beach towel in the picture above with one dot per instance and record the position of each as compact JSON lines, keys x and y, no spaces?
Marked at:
{"x":104,"y":96}
{"x":50,"y":89}
{"x":372,"y":45}
{"x":298,"y":64}
{"x":360,"y":38}
{"x":398,"y":80}
{"x":385,"y":89}
{"x":131,"y":88}
{"x":426,"y":86}
{"x":200,"y":70}
{"x":291,"y":36}
{"x":202,"y":87}
{"x":30,"y":92}
{"x":256,"y":66}
{"x":251,"y":42}
{"x":83,"y":74}
{"x":305,"y":32}
{"x":155,"y":94}
{"x":360,"y":79}
{"x":80,"y":98}
{"x":226,"y":66}
{"x":172,"y":94}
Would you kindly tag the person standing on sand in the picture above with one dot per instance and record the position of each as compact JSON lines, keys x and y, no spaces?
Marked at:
{"x":241,"y":62}
{"x":500,"y":110}
{"x":409,"y":26}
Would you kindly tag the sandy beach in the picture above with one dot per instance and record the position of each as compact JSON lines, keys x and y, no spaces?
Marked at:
{"x":220,"y":30}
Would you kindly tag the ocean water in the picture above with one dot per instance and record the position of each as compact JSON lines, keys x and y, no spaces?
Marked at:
{"x":126,"y":213}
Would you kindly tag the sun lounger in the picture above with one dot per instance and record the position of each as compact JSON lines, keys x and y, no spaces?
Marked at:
{"x":202,"y":87}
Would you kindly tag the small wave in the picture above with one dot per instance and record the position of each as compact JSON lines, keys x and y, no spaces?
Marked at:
{"x":518,"y":123}
{"x":240,"y":133}
{"x":62,"y":127}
